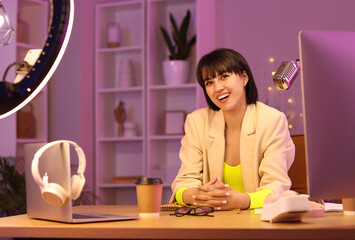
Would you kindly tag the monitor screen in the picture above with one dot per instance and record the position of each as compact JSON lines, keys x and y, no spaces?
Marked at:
{"x":328,"y":92}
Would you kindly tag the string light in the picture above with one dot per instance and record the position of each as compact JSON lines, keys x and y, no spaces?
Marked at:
{"x":2,"y":20}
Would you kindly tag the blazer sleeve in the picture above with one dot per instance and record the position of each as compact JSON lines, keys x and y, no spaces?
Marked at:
{"x":278,"y":152}
{"x":191,"y":156}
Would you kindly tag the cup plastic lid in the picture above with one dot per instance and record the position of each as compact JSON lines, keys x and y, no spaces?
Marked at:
{"x":146,"y":180}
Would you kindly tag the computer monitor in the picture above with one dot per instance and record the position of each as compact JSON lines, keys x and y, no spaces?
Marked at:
{"x":328,"y":92}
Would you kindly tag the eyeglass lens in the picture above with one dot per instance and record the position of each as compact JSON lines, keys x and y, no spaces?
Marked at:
{"x":199,"y":211}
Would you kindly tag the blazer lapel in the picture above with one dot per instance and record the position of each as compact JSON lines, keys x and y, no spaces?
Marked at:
{"x":247,"y":150}
{"x":216,"y":146}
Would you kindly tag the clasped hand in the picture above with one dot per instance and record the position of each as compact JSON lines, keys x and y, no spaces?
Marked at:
{"x":220,"y":196}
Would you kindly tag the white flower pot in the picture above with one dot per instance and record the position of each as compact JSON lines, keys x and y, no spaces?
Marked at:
{"x":176,"y":72}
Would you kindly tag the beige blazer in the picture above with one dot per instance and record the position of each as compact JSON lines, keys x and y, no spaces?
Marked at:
{"x":266,"y":149}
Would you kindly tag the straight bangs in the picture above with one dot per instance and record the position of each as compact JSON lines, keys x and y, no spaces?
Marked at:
{"x":224,"y":60}
{"x":214,"y":65}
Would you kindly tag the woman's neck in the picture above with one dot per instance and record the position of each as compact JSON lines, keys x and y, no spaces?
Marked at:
{"x":234,"y":119}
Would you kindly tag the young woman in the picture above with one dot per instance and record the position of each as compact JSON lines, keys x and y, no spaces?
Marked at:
{"x":236,"y":151}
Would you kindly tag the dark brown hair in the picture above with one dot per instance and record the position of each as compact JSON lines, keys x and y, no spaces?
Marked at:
{"x":224,"y":60}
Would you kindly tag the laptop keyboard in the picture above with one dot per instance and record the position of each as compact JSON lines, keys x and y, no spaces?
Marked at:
{"x":80,"y":216}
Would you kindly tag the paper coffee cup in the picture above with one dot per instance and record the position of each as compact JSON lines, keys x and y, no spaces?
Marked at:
{"x":349,"y":206}
{"x":149,"y":192}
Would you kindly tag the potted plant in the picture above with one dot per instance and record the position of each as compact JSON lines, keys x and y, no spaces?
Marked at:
{"x":176,"y":69}
{"x":12,"y":188}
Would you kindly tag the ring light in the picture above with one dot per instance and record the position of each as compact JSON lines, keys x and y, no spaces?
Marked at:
{"x":14,"y":96}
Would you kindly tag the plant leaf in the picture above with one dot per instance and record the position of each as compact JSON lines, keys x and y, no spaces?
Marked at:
{"x":184,"y":27}
{"x":168,"y":41}
{"x":173,"y":23}
{"x":192,"y":41}
{"x":180,"y":46}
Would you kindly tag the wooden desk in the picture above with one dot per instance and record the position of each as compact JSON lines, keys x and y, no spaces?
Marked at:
{"x":224,"y":225}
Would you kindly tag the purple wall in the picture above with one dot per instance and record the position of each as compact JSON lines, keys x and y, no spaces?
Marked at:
{"x":260,"y":29}
{"x":71,"y":103}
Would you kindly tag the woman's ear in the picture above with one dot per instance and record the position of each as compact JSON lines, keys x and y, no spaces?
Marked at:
{"x":245,"y":78}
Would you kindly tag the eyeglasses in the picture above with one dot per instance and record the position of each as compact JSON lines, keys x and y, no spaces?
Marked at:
{"x":198,"y":211}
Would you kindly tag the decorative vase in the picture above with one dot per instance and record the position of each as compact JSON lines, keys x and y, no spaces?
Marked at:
{"x":113,"y":35}
{"x":125,"y":73}
{"x":176,"y":71}
{"x":130,"y":129}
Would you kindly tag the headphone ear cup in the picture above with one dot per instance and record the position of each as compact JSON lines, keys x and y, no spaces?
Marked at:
{"x":54,"y":194}
{"x":77,"y":185}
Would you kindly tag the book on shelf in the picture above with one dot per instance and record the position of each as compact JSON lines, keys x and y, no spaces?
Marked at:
{"x":128,"y":179}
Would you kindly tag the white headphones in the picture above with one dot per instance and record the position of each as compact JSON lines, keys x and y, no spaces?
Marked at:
{"x":53,"y":193}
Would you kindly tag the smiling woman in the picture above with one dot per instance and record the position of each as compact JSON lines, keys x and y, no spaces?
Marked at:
{"x":236,"y":151}
{"x":13,"y":96}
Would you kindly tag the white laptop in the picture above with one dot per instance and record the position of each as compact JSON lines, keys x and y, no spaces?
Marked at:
{"x":56,"y":162}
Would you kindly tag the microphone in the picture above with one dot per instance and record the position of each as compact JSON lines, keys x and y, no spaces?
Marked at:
{"x":286,"y":74}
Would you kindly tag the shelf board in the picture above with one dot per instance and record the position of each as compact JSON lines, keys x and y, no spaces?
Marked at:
{"x":120,"y":139}
{"x":30,"y":140}
{"x":117,"y":185}
{"x":118,"y":4}
{"x":120,"y":90}
{"x":27,"y":46}
{"x":165,"y":137}
{"x":173,"y":87}
{"x":120,"y":49}
{"x":41,"y":2}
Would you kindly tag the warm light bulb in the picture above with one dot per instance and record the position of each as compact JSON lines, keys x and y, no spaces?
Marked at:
{"x":271,"y":60}
{"x":269,"y":88}
{"x":301,"y":115}
{"x":290,"y":100}
{"x":290,"y":126}
{"x":273,"y":73}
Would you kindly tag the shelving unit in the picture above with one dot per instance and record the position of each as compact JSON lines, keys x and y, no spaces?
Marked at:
{"x":163,"y":150}
{"x":32,"y":27}
{"x":119,"y":156}
{"x":151,"y":153}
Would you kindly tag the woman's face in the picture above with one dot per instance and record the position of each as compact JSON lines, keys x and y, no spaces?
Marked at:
{"x":227,"y":91}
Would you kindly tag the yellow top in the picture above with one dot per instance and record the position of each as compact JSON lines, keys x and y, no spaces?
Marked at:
{"x":233,"y":177}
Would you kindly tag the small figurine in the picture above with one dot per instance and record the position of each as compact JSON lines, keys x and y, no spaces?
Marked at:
{"x":120,"y":115}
